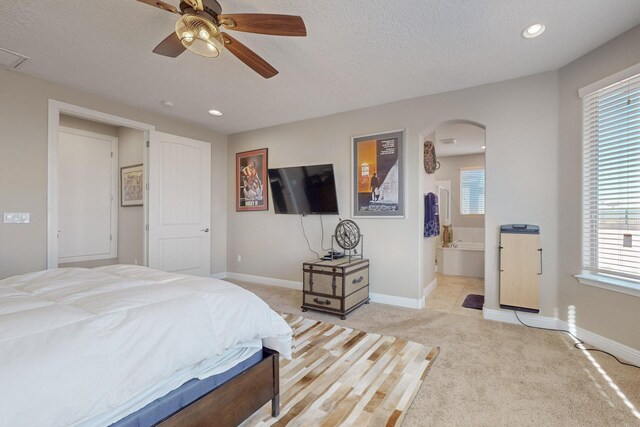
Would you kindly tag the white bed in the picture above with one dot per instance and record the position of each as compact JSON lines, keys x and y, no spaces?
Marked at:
{"x":89,"y":346}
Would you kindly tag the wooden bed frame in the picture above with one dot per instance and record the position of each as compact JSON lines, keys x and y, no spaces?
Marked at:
{"x":232,"y":402}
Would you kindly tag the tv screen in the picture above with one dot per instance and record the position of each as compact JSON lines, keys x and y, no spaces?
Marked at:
{"x":304,"y":190}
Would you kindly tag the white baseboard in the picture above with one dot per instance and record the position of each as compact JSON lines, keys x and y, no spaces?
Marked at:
{"x":291,"y":284}
{"x":621,"y":351}
{"x":508,"y":316}
{"x":429,"y":288}
{"x":397,"y":301}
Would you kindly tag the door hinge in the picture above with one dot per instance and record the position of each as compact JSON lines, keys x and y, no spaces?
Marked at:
{"x":147,"y":227}
{"x":147,"y":186}
{"x":112,"y":154}
{"x":147,"y":144}
{"x":111,"y":237}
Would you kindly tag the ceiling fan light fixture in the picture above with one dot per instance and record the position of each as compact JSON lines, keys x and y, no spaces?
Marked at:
{"x":199,"y":35}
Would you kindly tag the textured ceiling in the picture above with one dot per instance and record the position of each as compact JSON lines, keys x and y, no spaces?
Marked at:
{"x":358,"y":53}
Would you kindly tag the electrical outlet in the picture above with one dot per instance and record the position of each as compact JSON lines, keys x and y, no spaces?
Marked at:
{"x":239,"y":258}
{"x":17,"y":217}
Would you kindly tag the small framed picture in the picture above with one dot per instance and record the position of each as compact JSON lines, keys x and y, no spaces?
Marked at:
{"x":252,"y":190}
{"x":378,"y":175}
{"x":131,"y":185}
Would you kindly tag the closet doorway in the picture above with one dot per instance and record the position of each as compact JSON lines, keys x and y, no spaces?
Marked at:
{"x":175,"y":223}
{"x":85,"y":220}
{"x":87,"y":179}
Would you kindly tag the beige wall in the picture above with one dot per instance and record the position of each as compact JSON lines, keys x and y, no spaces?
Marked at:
{"x":88,"y":126}
{"x":131,"y":221}
{"x":521,"y":119}
{"x":450,"y":171}
{"x":23,"y":165}
{"x":607,"y":313}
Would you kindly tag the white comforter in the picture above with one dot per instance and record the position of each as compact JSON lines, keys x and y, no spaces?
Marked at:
{"x":76,"y":343}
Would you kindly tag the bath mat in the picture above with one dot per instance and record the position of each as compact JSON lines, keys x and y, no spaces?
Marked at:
{"x":474,"y":301}
{"x":344,"y":377}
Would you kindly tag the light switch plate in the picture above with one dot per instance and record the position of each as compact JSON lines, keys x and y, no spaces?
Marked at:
{"x":17,"y":217}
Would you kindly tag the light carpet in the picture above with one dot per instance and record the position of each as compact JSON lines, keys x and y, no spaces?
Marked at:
{"x":345,"y":377}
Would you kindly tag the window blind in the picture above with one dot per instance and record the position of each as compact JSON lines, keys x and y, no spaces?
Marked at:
{"x":472,"y":191}
{"x":611,"y":180}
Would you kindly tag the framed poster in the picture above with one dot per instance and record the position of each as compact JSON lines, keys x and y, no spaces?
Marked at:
{"x":252,"y":190}
{"x":378,"y":175}
{"x":131,"y":185}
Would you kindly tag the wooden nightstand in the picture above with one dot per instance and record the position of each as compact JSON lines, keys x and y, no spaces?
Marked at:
{"x":339,"y":286}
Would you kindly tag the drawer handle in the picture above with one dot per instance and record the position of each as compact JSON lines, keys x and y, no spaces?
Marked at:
{"x":318,"y":301}
{"x":358,"y":280}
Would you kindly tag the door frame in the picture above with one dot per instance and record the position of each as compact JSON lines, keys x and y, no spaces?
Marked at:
{"x":55,"y":109}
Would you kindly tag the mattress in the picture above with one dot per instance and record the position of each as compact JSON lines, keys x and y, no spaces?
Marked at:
{"x":82,"y":345}
{"x":183,"y":396}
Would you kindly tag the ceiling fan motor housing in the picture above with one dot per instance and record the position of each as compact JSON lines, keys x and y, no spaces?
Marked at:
{"x":199,"y":35}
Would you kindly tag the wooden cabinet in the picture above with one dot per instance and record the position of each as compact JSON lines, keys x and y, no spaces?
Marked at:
{"x":339,"y":286}
{"x":520,"y":270}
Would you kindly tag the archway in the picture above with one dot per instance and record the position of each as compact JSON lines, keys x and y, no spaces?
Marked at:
{"x":460,"y":145}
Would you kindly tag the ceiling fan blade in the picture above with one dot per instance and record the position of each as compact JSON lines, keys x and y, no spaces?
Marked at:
{"x":170,"y":46}
{"x":262,"y":23}
{"x":196,"y":4}
{"x":249,"y":57}
{"x":161,"y":5}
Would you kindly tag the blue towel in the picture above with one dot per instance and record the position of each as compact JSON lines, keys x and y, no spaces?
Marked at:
{"x":431,"y":215}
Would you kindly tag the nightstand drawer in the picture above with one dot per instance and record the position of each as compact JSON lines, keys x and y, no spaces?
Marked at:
{"x":322,"y":302}
{"x":356,"y":280}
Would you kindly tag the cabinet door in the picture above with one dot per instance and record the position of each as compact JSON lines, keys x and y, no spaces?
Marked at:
{"x":519,"y":270}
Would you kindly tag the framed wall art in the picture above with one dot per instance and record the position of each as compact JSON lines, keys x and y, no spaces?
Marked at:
{"x":252,"y":190}
{"x":131,"y":185}
{"x":378,"y":175}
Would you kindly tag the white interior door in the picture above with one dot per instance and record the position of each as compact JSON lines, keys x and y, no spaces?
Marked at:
{"x":179,"y":204}
{"x":87,"y":179}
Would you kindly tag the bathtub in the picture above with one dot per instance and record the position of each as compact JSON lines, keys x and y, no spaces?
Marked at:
{"x":467,"y":259}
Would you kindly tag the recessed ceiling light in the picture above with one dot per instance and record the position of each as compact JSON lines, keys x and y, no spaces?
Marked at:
{"x":482,"y":147}
{"x":215,"y":113}
{"x":166,"y":103}
{"x":533,"y":30}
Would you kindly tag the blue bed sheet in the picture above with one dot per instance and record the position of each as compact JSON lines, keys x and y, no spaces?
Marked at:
{"x":184,"y":395}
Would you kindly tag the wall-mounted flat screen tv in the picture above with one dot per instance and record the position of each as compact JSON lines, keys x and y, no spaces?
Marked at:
{"x":303,"y":190}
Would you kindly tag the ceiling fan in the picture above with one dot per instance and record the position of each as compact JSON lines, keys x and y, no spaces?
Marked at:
{"x":198,"y":30}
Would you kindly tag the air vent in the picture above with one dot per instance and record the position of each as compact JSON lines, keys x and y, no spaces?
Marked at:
{"x":448,"y":141}
{"x":9,"y":59}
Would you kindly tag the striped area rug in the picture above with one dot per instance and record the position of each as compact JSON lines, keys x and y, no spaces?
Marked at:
{"x":344,"y":377}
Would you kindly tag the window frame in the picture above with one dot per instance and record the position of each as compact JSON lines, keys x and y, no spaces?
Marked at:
{"x":611,"y":282}
{"x":484,"y":190}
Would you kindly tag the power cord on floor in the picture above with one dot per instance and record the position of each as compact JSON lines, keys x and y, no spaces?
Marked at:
{"x":579,"y":344}
{"x":306,"y":238}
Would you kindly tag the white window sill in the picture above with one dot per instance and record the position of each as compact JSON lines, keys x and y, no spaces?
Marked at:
{"x":609,"y":283}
